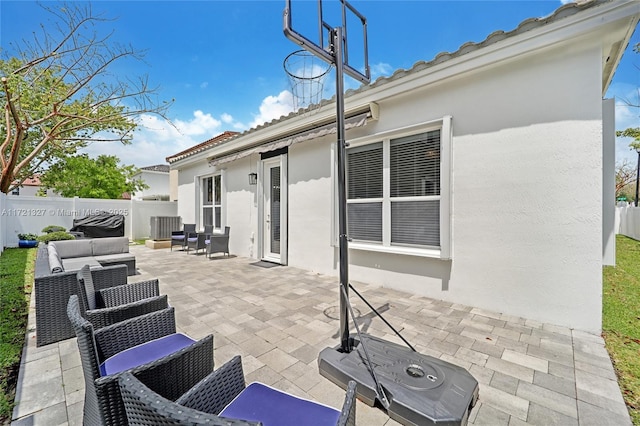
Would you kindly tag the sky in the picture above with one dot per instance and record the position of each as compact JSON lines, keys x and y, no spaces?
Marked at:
{"x":221,"y":62}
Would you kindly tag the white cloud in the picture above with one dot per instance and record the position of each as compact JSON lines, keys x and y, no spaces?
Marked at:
{"x":156,"y":138}
{"x":381,"y":69}
{"x":226,"y":118}
{"x":273,"y":107}
{"x":201,"y":124}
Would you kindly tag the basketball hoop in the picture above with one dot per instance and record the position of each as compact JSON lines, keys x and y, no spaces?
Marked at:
{"x":306,"y":73}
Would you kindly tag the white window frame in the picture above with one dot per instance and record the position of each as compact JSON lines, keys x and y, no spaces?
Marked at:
{"x":202,"y":206}
{"x":445,"y":250}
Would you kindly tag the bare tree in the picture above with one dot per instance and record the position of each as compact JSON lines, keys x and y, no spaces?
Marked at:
{"x":625,"y":175}
{"x":59,"y":95}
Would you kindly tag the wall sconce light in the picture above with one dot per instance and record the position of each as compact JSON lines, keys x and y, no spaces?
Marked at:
{"x":253,"y":178}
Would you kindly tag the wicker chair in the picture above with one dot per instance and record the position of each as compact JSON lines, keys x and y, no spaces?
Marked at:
{"x":218,"y":242}
{"x":222,"y":399}
{"x":170,"y":375}
{"x":52,"y":295}
{"x":115,"y":304}
{"x":196,"y":240}
{"x":179,"y":238}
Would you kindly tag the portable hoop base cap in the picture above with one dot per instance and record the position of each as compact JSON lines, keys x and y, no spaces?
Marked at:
{"x":421,"y":390}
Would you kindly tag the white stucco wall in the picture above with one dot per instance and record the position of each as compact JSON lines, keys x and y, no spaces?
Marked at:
{"x":188,"y":197}
{"x":527,"y":172}
{"x":241,"y":207}
{"x":526,"y":191}
{"x":158,"y":183}
{"x":238,"y":196}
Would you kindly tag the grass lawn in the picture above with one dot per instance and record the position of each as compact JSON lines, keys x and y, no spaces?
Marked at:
{"x":621,"y":320}
{"x":16,"y":279}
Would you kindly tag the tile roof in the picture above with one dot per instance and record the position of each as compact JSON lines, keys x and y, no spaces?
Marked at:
{"x":157,"y":168}
{"x":30,"y":181}
{"x":201,"y":146}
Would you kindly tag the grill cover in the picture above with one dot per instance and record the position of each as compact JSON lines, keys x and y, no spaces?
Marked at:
{"x":100,"y":225}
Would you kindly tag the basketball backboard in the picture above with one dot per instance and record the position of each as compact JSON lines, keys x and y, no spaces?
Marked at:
{"x":314,"y":22}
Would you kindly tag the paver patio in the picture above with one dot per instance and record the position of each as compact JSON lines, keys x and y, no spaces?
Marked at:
{"x":279,"y":318}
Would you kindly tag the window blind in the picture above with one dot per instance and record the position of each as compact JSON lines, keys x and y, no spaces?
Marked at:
{"x":365,"y":221}
{"x":415,"y":222}
{"x":364,"y":172}
{"x":415,"y":165}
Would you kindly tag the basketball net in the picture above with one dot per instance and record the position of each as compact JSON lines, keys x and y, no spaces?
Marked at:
{"x":306,"y":73}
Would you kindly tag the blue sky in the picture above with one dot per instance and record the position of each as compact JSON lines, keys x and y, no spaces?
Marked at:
{"x":221,"y":61}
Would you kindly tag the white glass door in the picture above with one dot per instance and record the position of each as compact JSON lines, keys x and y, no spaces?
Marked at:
{"x":274,"y":210}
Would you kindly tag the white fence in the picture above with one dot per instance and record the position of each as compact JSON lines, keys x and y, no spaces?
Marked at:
{"x":628,"y":221}
{"x":20,"y":214}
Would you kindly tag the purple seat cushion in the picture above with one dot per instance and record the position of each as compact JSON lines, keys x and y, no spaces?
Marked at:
{"x":272,"y":407}
{"x":177,"y":237}
{"x":144,"y":353}
{"x":192,"y":239}
{"x":207,"y":241}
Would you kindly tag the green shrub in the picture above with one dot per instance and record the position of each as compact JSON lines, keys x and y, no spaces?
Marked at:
{"x":53,"y":228}
{"x":28,"y":237}
{"x":56,"y":236}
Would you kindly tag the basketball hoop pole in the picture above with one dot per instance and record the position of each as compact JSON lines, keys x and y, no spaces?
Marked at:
{"x":345,"y":345}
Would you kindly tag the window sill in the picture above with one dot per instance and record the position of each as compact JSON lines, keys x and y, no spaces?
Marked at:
{"x":408,"y":251}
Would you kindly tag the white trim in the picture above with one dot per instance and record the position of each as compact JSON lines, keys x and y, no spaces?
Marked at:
{"x":223,"y":200}
{"x":399,"y":132}
{"x":409,"y":251}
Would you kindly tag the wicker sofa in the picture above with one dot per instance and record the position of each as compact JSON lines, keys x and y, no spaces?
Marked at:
{"x":95,"y":252}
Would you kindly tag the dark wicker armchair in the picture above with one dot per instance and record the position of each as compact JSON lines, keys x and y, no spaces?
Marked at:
{"x":222,"y":399}
{"x":115,"y":304}
{"x":218,"y":242}
{"x":52,"y":295}
{"x":179,"y":238}
{"x":170,"y":375}
{"x":196,"y":240}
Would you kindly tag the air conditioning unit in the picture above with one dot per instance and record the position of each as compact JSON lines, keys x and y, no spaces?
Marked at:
{"x":161,"y":226}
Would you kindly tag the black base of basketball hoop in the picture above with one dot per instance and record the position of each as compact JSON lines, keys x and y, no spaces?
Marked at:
{"x":421,"y":390}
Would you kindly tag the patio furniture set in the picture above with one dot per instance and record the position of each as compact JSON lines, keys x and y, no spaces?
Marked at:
{"x":139,"y":370}
{"x":188,"y":239}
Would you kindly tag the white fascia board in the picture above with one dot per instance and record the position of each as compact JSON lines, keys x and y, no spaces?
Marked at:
{"x":598,"y":19}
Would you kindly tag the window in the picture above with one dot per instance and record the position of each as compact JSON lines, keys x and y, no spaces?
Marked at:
{"x":415,"y":189}
{"x":395,"y":185}
{"x":212,"y":201}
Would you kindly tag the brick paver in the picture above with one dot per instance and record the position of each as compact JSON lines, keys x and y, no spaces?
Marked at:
{"x":279,"y":318}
